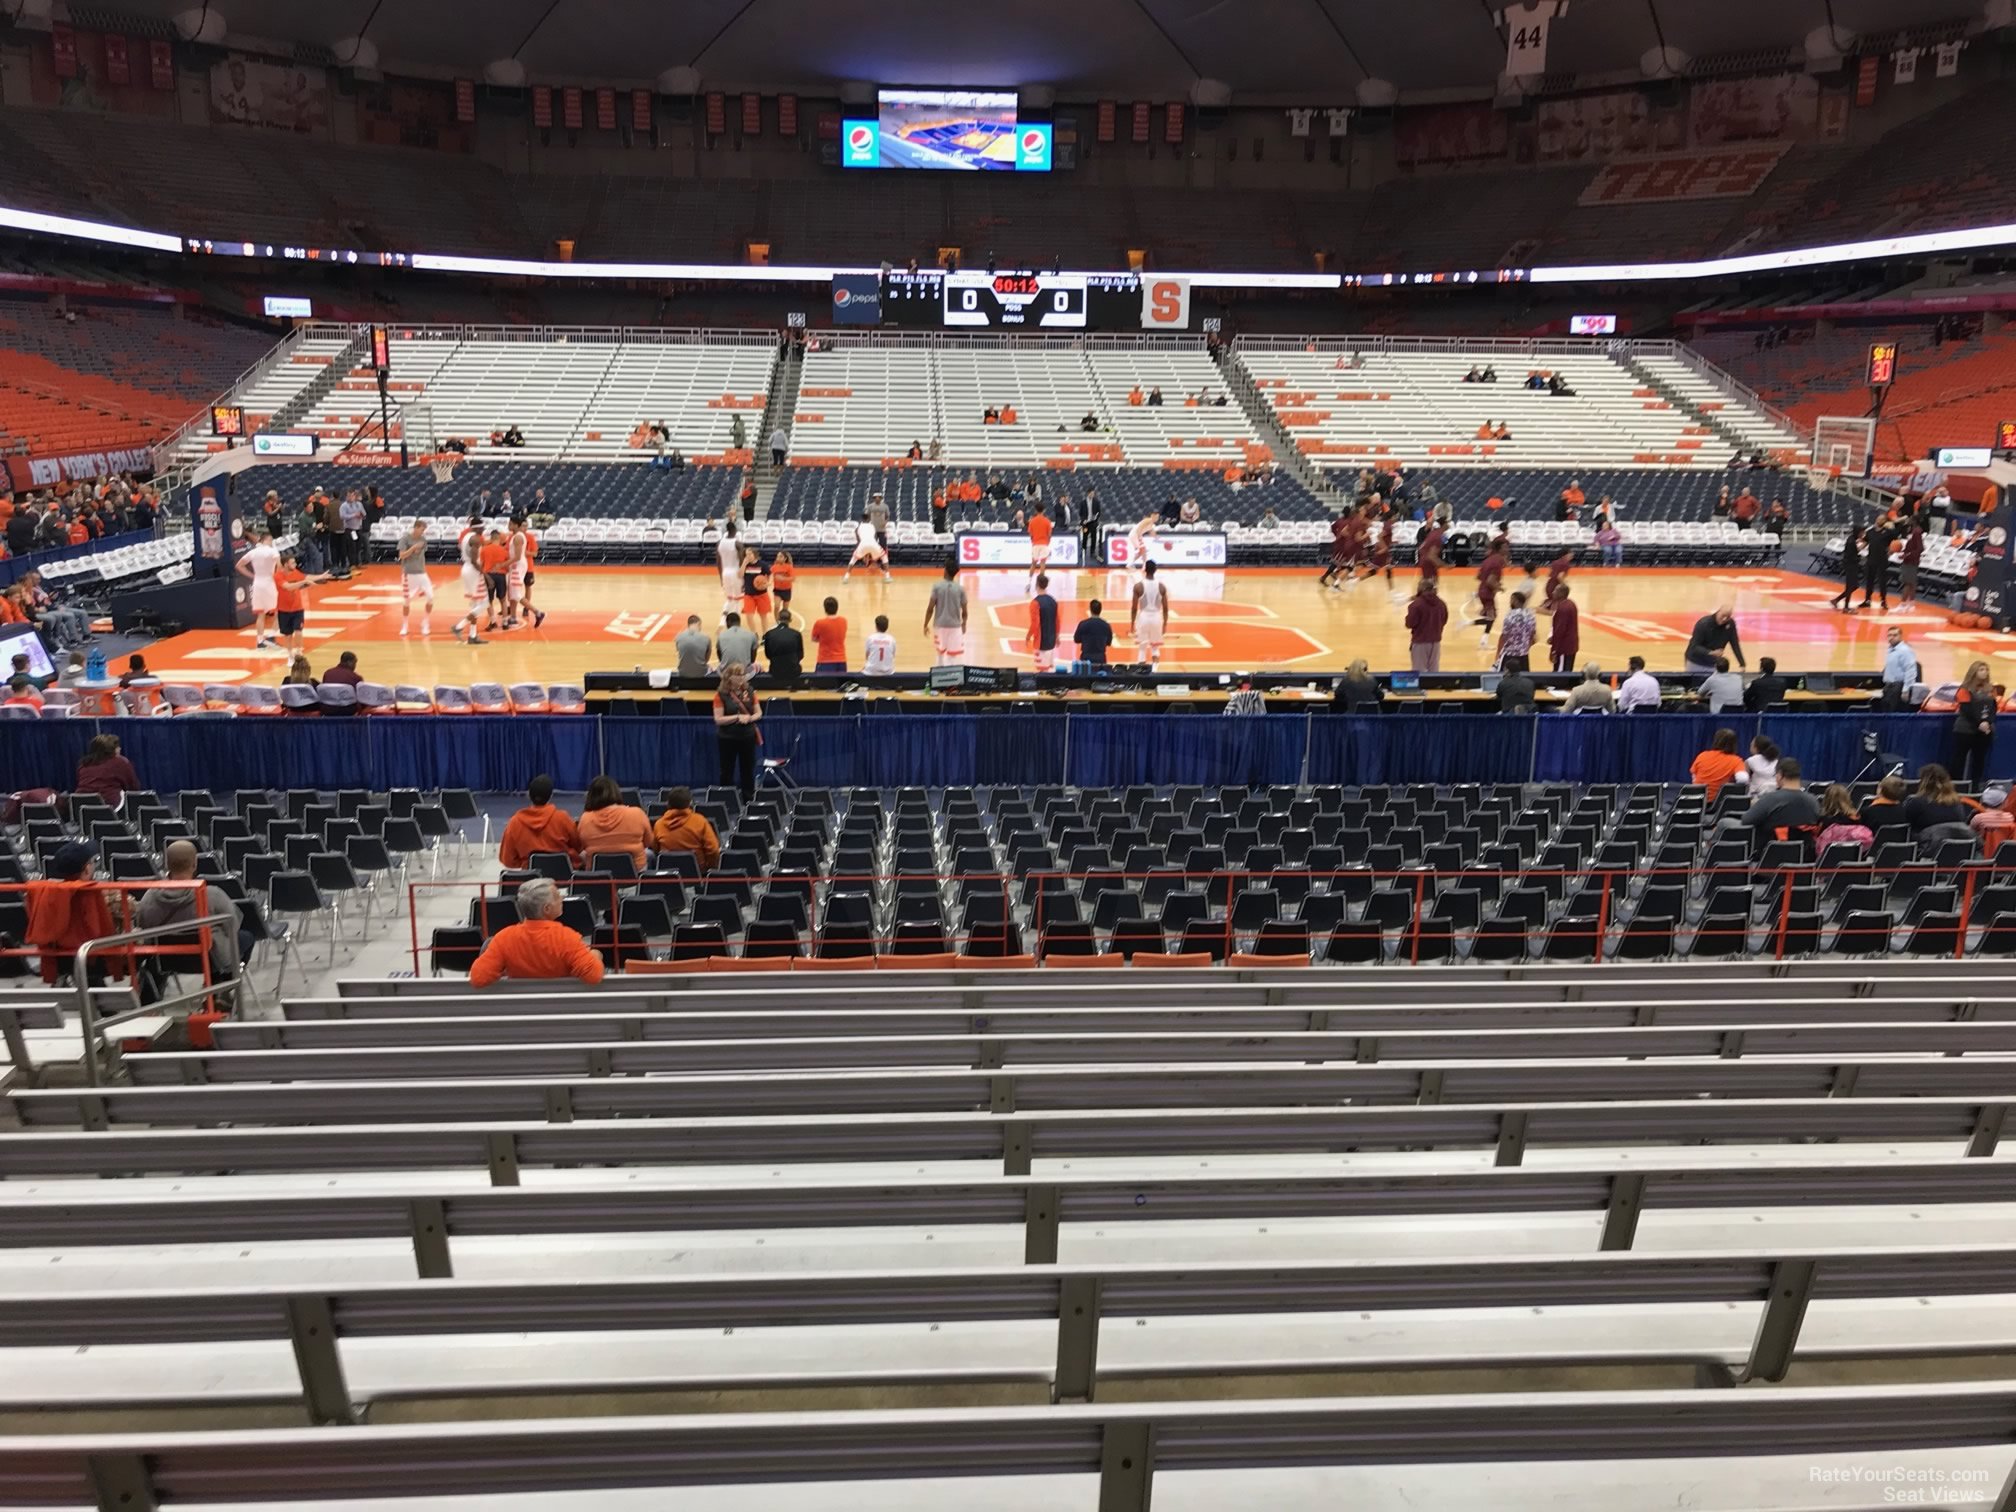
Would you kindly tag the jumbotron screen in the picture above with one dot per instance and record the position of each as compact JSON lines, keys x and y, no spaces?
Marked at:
{"x":960,"y":130}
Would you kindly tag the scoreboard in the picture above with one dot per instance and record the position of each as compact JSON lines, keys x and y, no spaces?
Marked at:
{"x":1012,"y":301}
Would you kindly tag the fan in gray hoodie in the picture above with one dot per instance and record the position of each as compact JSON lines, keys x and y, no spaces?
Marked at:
{"x":199,"y":900}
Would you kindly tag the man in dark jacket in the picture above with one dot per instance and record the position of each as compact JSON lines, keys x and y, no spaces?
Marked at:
{"x":1714,"y":633}
{"x":1767,"y":688}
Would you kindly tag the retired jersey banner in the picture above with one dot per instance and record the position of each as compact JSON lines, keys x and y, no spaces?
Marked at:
{"x":570,"y":107}
{"x":161,"y":63}
{"x":1526,"y":30}
{"x":63,"y":51}
{"x":465,"y":100}
{"x":640,"y":111}
{"x":605,"y":109}
{"x":752,"y":115}
{"x":118,"y":68}
{"x":542,"y":106}
{"x":1141,"y":113}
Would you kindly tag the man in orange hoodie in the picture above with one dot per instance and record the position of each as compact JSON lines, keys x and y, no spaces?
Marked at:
{"x":538,"y":827}
{"x":67,"y":908}
{"x":681,"y":828}
{"x":539,"y":948}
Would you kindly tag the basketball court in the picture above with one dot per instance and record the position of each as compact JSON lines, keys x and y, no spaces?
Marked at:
{"x":1260,"y":619}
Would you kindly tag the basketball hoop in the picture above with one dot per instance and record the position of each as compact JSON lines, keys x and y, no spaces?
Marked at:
{"x":443,"y":466}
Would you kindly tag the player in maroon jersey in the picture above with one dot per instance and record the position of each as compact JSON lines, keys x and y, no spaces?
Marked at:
{"x":1490,"y":574}
{"x":1557,"y":580}
{"x":1428,"y":550}
{"x":1340,"y":550}
{"x":1382,"y":544}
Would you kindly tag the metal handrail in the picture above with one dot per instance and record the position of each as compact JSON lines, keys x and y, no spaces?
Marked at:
{"x":87,"y":1011}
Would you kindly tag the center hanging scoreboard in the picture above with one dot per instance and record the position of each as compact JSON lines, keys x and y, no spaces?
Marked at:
{"x":1012,"y":301}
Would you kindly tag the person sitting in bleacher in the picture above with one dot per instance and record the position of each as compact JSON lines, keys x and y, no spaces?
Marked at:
{"x":539,"y":948}
{"x":1558,"y":386}
{"x":191,"y":900}
{"x":513,"y":436}
{"x":916,"y":452}
{"x":608,"y":824}
{"x":1786,"y":809}
{"x":1484,"y":432}
{"x":539,"y":826}
{"x":1503,"y":433}
{"x":68,"y":908}
{"x":990,"y":416}
{"x":1135,"y":397}
{"x":1155,"y":397}
{"x":1490,"y":374}
{"x":1088,"y":421}
{"x":683,"y":828}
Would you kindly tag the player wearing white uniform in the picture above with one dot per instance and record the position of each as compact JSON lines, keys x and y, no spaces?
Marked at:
{"x":729,"y":554}
{"x":475,"y":591}
{"x":258,"y":565}
{"x":881,"y":658}
{"x":413,"y":576}
{"x":1151,"y":616}
{"x":1137,"y":542}
{"x":867,"y":549}
{"x":514,"y":575}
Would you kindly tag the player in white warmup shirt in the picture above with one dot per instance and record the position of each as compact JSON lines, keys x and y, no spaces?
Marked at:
{"x":475,"y":590}
{"x":729,"y":554}
{"x":1151,"y":616}
{"x":258,"y":565}
{"x":867,"y":548}
{"x":413,"y":578}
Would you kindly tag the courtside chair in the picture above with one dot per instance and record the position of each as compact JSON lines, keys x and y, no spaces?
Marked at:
{"x":294,"y":899}
{"x":458,"y":807}
{"x":298,"y":698}
{"x":449,"y":699}
{"x":526,"y":698}
{"x":488,"y":698}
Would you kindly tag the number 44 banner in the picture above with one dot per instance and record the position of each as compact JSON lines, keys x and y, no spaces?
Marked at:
{"x":1526,"y":29}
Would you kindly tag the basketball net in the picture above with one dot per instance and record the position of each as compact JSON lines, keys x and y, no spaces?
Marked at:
{"x":443,"y":466}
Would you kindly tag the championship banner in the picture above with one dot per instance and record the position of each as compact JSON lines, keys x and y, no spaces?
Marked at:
{"x":640,"y":111}
{"x":1165,"y":304}
{"x":465,"y":100}
{"x":118,"y":66}
{"x":63,"y":51}
{"x":1005,"y":548}
{"x":161,"y":64}
{"x":570,"y":107}
{"x":1189,"y":548}
{"x":542,"y":106}
{"x":605,"y":110}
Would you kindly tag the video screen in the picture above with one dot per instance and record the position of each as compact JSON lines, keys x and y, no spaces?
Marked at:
{"x":955,"y":130}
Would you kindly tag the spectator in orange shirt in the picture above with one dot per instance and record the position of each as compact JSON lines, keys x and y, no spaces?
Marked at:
{"x":495,"y":560}
{"x":1719,"y":765}
{"x":1135,"y":398}
{"x":609,"y":824}
{"x":829,"y":636}
{"x":682,"y":827}
{"x":1484,"y":431}
{"x":539,"y":826}
{"x":79,"y":535}
{"x":539,"y":948}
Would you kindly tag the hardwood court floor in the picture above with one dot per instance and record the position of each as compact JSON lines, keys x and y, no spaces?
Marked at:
{"x":614,"y":618}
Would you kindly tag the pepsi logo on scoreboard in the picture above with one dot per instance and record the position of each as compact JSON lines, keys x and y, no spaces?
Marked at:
{"x":860,"y":144}
{"x":1032,"y":147}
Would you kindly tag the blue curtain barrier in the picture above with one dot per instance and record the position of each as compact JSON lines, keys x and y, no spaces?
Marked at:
{"x":961,"y":750}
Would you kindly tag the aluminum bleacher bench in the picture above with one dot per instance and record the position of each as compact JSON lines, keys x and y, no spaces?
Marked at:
{"x":531,"y":1100}
{"x":18,"y":1014}
{"x":645,"y":1043}
{"x":1076,"y":1300}
{"x":1125,"y":1446}
{"x":1396,"y":984}
{"x":1012,"y":1141}
{"x":1608,"y":1002}
{"x":1038,"y":1206}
